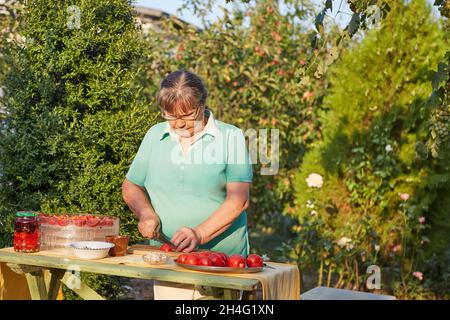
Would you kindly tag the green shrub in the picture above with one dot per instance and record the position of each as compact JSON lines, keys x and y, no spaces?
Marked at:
{"x":75,"y":113}
{"x":377,"y":114}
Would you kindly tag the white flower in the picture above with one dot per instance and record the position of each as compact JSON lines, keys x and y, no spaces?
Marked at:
{"x":388,"y":148}
{"x":313,"y":213}
{"x":314,"y":180}
{"x":344,"y":241}
{"x":377,"y":247}
{"x":309,"y":204}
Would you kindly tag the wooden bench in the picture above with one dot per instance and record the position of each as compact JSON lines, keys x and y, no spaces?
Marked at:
{"x":325,"y":293}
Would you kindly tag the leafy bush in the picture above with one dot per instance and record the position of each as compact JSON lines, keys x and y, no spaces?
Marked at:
{"x":75,"y":114}
{"x":368,"y":158}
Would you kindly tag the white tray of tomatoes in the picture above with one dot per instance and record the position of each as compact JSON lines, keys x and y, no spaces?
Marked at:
{"x":212,"y":261}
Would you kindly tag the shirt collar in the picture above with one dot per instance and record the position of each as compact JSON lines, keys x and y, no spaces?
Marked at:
{"x":210,"y":128}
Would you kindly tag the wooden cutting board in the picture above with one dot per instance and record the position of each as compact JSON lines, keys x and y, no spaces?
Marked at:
{"x":145,"y":248}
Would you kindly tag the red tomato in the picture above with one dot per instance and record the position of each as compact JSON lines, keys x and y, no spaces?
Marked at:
{"x":92,"y":221}
{"x":217,"y":260}
{"x":53,"y":220}
{"x":224,"y":256}
{"x":236,"y":261}
{"x":166,"y":248}
{"x":254,"y":260}
{"x":193,"y":259}
{"x":204,"y":253}
{"x":205,"y":261}
{"x":182,"y":258}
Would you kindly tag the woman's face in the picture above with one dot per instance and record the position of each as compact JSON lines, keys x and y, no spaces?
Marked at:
{"x":185,"y":124}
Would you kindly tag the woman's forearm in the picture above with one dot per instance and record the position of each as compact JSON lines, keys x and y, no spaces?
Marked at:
{"x":221,"y":219}
{"x":137,"y":200}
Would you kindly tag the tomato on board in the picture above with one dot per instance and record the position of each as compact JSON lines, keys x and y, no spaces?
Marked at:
{"x":166,"y":248}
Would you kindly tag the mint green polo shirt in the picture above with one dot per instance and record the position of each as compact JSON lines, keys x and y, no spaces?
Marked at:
{"x":185,"y":189}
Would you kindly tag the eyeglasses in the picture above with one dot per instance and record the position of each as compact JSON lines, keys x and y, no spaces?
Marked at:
{"x":190,"y":117}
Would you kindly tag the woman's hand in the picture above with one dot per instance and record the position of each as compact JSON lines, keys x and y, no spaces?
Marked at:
{"x":186,"y":239}
{"x":149,"y":226}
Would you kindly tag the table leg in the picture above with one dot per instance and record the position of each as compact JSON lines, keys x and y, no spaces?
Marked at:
{"x":230,"y":294}
{"x":54,"y":283}
{"x":36,"y":285}
{"x":249,"y":295}
{"x":35,"y":280}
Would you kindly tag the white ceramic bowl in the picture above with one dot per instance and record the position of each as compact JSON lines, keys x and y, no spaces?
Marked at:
{"x":91,"y":250}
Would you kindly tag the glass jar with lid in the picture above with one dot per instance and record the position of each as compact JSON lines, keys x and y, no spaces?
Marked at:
{"x":26,"y":232}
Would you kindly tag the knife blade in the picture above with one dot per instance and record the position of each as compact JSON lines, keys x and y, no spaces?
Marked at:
{"x":164,"y":239}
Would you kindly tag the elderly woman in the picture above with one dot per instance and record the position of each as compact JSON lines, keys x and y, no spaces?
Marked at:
{"x":197,"y":173}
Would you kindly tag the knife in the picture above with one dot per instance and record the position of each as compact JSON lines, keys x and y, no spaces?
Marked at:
{"x":265,"y":265}
{"x":164,"y":239}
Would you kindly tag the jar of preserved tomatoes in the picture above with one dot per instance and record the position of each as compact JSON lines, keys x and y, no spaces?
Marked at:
{"x":26,"y":232}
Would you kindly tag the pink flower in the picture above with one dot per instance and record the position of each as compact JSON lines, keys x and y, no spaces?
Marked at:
{"x":397,"y":247}
{"x":418,"y":275}
{"x":307,"y":95}
{"x":404,"y":196}
{"x":422,"y":220}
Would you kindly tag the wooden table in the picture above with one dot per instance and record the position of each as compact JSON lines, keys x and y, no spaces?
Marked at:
{"x":61,"y":271}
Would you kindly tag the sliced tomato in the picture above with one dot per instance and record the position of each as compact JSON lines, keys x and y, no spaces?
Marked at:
{"x":43,"y":219}
{"x":102,"y":222}
{"x":79,"y":221}
{"x":106,"y":222}
{"x":109,"y":222}
{"x":92,"y":221}
{"x":52,"y":220}
{"x":64,"y":220}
